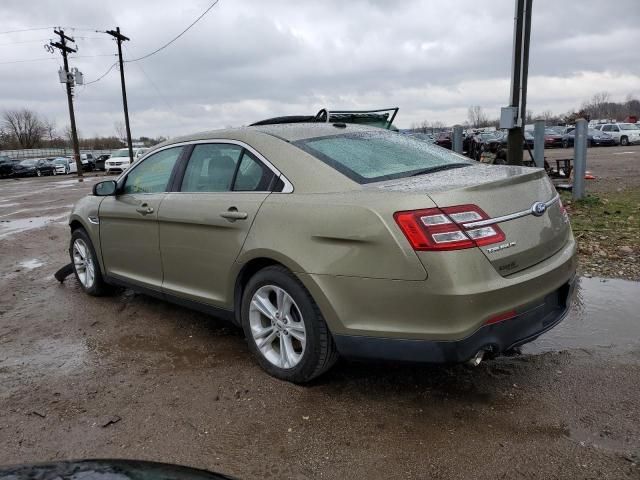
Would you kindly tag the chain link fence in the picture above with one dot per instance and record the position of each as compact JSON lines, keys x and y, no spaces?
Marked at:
{"x":22,"y":154}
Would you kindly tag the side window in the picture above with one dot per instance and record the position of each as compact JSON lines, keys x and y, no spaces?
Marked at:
{"x":606,"y":128}
{"x":152,"y":175}
{"x":252,"y":175}
{"x":614,"y":128}
{"x":211,"y":168}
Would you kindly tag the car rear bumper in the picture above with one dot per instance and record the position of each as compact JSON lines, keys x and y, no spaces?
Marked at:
{"x":495,"y":338}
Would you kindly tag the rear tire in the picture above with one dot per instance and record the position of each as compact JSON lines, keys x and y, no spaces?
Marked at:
{"x":85,"y":264}
{"x":565,"y":143}
{"x":292,"y":315}
{"x":624,"y":141}
{"x":38,"y":173}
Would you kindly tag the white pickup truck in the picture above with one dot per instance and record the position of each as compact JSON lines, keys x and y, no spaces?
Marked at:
{"x":624,"y":133}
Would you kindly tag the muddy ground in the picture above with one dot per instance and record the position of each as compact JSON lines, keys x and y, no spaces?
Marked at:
{"x":128,"y":376}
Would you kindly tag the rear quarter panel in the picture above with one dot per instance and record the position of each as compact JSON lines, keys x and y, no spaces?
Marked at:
{"x":346,"y":234}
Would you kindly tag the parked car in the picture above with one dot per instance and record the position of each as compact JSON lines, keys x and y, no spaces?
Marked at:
{"x":118,"y":161}
{"x":100,"y":161}
{"x":34,"y":167}
{"x":6,"y":166}
{"x":323,"y":240}
{"x":64,"y":165}
{"x":444,"y":140}
{"x":528,"y":141}
{"x":623,"y":133}
{"x":594,"y":138}
{"x":552,"y":138}
{"x":427,"y":137}
{"x":479,"y":142}
{"x":139,"y":152}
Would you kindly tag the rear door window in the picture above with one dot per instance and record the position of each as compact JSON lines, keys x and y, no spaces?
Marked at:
{"x":223,"y":167}
{"x":211,"y":168}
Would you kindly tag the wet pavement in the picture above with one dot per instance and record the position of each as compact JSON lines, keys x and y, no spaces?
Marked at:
{"x":129,"y":376}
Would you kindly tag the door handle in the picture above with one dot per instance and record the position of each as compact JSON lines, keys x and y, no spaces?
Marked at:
{"x":233,"y":214}
{"x":144,"y":209}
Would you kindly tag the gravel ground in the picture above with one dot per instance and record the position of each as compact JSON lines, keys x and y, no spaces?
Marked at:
{"x":128,"y":376}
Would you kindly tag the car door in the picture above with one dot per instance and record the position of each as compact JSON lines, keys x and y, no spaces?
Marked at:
{"x":129,"y":221}
{"x":204,"y":224}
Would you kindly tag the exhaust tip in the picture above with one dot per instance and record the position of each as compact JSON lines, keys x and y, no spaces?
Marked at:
{"x":476,"y":359}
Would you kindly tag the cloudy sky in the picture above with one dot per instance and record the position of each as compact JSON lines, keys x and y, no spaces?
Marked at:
{"x":251,"y":59}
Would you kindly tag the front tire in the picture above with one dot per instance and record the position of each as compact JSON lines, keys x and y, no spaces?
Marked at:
{"x":38,"y":173}
{"x":284,"y":328}
{"x":85,"y":264}
{"x":624,"y":141}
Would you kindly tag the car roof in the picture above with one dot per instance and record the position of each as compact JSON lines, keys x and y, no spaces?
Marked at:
{"x":289,"y":132}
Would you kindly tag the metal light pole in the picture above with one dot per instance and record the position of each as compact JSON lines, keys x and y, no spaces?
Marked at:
{"x":456,"y":139}
{"x":580,"y":159}
{"x":519,"y":76}
{"x":538,"y":143}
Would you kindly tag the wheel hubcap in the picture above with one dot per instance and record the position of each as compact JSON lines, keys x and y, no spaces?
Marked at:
{"x":83,"y":263}
{"x":277,"y":326}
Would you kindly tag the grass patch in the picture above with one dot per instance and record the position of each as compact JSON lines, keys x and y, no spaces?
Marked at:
{"x":614,"y":215}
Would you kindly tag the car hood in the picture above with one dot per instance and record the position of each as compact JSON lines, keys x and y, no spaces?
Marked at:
{"x":107,"y":470}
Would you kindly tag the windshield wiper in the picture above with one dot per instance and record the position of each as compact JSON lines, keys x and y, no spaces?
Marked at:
{"x":439,"y":168}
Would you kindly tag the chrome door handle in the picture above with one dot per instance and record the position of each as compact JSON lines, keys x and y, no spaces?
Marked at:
{"x":144,"y":209}
{"x":233,"y":214}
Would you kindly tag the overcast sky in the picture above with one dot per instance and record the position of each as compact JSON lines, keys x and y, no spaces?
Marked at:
{"x":251,"y":59}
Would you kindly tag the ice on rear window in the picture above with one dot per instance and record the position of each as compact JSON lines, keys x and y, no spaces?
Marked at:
{"x":379,"y":155}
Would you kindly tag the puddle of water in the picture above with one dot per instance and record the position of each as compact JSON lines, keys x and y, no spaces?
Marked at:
{"x":31,"y":264}
{"x":44,"y":356}
{"x":36,"y":208}
{"x":605,"y":314}
{"x":11,"y":227}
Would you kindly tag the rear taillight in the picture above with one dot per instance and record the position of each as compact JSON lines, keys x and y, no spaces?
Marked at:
{"x":443,"y":228}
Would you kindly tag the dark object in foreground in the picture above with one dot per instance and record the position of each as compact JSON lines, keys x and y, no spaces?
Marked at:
{"x":64,"y":272}
{"x":106,"y":470}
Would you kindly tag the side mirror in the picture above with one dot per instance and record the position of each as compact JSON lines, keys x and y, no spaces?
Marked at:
{"x":105,"y":189}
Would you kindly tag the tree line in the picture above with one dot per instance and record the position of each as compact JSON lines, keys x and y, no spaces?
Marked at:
{"x":25,"y":128}
{"x":598,"y":107}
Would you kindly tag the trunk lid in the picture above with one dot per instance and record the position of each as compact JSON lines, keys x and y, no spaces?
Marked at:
{"x":501,"y":191}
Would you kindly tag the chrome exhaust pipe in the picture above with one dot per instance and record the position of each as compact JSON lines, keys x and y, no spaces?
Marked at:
{"x":476,"y":359}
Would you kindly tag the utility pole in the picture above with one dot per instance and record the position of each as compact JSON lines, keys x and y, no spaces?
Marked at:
{"x":69,"y":80}
{"x":121,"y":38}
{"x":519,"y":77}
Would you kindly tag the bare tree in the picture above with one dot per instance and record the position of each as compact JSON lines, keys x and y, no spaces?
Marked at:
{"x":476,"y":116}
{"x":68,"y":135}
{"x":49,"y":127}
{"x":25,"y":125}
{"x":121,"y":131}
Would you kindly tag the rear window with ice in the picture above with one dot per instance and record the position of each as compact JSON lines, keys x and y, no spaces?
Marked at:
{"x":373,"y":156}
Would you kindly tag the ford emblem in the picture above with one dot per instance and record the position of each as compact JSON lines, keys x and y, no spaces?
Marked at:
{"x":538,"y":209}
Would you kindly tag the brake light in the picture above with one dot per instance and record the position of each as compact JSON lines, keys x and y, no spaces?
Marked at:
{"x":443,"y":228}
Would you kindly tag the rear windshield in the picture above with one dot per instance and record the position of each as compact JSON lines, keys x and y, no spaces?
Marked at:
{"x":373,"y":156}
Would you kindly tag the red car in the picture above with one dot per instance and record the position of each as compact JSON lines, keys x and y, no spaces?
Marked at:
{"x":552,"y":139}
{"x":444,"y":140}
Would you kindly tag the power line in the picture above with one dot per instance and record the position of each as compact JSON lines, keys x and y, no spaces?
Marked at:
{"x":26,"y":30}
{"x":28,"y":61}
{"x":177,"y":37}
{"x":23,"y":42}
{"x":101,"y":76}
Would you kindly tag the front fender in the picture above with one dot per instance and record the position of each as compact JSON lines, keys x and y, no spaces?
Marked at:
{"x":86,"y":208}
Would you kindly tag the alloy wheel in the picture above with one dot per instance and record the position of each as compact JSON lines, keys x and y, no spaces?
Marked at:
{"x":277,"y":326}
{"x":83,"y":263}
